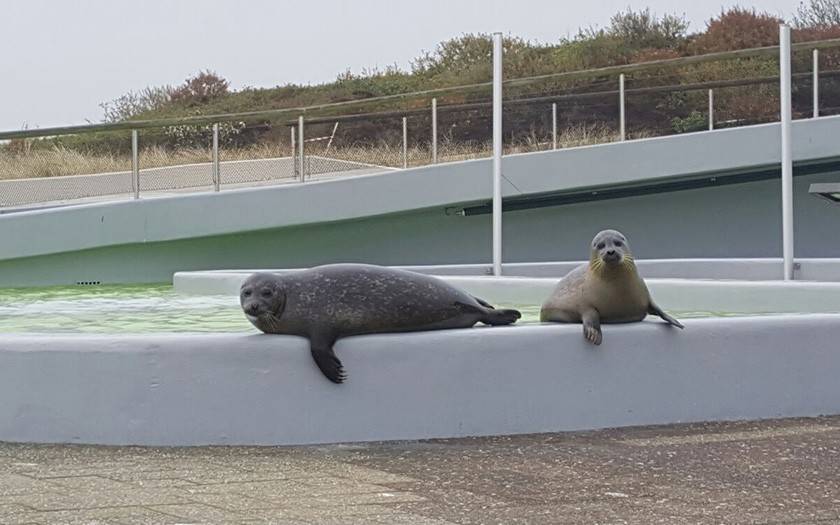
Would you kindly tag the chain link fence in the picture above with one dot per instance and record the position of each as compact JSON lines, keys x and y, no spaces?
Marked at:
{"x":539,"y":114}
{"x":59,"y":168}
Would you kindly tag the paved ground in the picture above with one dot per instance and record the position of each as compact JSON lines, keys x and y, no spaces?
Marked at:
{"x":783,"y":471}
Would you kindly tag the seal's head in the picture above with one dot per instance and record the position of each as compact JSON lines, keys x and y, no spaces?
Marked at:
{"x":609,"y":249}
{"x":263,"y":298}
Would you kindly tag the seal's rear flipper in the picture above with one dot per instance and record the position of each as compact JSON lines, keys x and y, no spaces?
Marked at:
{"x":492,"y":316}
{"x":487,"y":314}
{"x":321,"y":347}
{"x":655,"y":310}
{"x":500,"y":317}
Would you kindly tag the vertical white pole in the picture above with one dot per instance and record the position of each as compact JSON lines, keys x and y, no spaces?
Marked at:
{"x":816,"y":83}
{"x":405,"y":142}
{"x":300,"y":149}
{"x":554,"y":125}
{"x":434,"y":131}
{"x":787,"y":161}
{"x":497,"y":154}
{"x":135,"y":165}
{"x":711,"y":110}
{"x":294,"y":171}
{"x":621,"y":106}
{"x":216,"y":171}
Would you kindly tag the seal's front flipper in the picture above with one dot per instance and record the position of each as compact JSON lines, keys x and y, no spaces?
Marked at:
{"x":655,"y":310}
{"x":321,"y":347}
{"x":592,"y":326}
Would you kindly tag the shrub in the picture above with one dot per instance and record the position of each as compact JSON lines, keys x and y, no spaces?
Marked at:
{"x":200,"y":89}
{"x":820,"y":14}
{"x":202,"y":136}
{"x":737,"y":28}
{"x":695,"y":121}
{"x":133,"y":104}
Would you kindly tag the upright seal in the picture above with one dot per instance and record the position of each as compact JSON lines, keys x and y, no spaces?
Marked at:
{"x":607,"y":290}
{"x":337,"y":300}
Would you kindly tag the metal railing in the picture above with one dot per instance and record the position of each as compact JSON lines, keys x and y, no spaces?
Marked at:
{"x":441,"y":125}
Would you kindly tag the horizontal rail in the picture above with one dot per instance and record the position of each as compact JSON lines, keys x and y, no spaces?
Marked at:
{"x":670,"y":88}
{"x":319,"y":109}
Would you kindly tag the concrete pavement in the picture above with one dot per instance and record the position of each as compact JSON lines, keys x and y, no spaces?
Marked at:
{"x":778,"y":471}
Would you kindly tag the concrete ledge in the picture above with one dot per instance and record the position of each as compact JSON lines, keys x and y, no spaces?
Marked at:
{"x":264,"y":389}
{"x":688,"y":295}
{"x":693,"y":295}
{"x":745,"y":269}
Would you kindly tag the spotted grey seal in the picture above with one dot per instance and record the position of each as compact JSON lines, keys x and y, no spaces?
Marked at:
{"x":337,"y":300}
{"x":607,"y":290}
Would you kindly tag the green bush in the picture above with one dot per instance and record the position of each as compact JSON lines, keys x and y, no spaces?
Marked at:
{"x":695,"y":121}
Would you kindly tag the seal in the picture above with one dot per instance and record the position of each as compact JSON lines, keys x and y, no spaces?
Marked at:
{"x":338,"y":300}
{"x":607,"y":290}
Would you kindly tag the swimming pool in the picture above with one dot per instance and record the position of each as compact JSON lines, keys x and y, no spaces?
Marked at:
{"x":150,"y":365}
{"x":158,"y":308}
{"x":117,"y":309}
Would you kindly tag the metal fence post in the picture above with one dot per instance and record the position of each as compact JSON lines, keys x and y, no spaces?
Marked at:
{"x":621,"y":106}
{"x":405,"y":142}
{"x":497,"y":154}
{"x":294,"y":153}
{"x":711,"y":110}
{"x":135,"y":165}
{"x":216,"y":172}
{"x":300,"y":149}
{"x":434,"y":132}
{"x":554,"y":125}
{"x":816,"y":83}
{"x":787,"y":160}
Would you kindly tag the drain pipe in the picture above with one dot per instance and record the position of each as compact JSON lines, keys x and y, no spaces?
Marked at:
{"x":787,"y":161}
{"x":497,"y":154}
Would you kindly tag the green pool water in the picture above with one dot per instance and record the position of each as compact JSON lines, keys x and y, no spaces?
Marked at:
{"x":144,"y":309}
{"x":117,"y":309}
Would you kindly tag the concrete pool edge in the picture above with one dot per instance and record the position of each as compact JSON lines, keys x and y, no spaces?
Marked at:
{"x":822,"y":269}
{"x":687,"y":295}
{"x":255,"y":389}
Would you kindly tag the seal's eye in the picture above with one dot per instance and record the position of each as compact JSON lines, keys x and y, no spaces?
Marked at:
{"x":618,"y":243}
{"x":247,"y":292}
{"x":600,"y":246}
{"x":266,"y":292}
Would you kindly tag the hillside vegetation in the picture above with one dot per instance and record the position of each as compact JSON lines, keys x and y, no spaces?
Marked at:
{"x":584,"y":103}
{"x":631,"y":37}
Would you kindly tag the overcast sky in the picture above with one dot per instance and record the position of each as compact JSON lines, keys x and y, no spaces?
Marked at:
{"x":62,"y":58}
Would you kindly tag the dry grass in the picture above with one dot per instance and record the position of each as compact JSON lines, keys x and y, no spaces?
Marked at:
{"x":59,"y":161}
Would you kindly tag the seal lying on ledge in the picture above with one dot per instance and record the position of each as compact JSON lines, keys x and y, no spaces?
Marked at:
{"x":337,"y":300}
{"x":607,"y":290}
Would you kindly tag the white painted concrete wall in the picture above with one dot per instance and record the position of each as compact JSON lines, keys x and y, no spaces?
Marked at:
{"x":406,"y":217}
{"x":265,"y":389}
